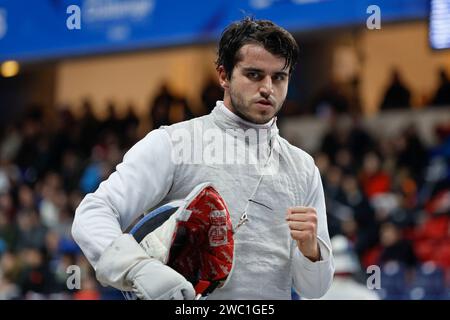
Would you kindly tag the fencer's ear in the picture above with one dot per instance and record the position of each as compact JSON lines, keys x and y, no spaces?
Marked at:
{"x":223,"y":79}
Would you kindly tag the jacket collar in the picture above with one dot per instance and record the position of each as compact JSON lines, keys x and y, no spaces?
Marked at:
{"x":226,"y":119}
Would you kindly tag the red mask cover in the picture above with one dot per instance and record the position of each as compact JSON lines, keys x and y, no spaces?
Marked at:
{"x":193,"y":236}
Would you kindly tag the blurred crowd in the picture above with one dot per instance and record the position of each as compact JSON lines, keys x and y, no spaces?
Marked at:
{"x":44,"y":173}
{"x":389,"y":198}
{"x":46,"y":168}
{"x":334,"y":97}
{"x":342,"y":97}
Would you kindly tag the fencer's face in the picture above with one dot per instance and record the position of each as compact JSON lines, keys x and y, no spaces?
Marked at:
{"x":258,"y":84}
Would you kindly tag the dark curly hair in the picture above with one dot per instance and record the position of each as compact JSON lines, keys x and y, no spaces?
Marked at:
{"x":273,"y":38}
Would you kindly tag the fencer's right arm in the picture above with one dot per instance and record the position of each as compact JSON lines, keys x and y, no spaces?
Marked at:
{"x":139,"y":183}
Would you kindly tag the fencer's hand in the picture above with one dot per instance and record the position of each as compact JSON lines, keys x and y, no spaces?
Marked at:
{"x":153,"y":280}
{"x":126,"y":266}
{"x":302,"y":222}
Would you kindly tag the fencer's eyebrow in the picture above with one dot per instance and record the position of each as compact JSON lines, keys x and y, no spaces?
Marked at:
{"x":282,"y":73}
{"x":251,"y":69}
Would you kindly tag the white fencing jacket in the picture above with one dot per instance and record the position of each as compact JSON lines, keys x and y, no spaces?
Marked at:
{"x":220,"y":148}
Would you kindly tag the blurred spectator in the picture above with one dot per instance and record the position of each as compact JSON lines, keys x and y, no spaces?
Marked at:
{"x":335,"y":138}
{"x":112,"y":122}
{"x":362,"y":227}
{"x":36,"y":280}
{"x":397,"y":95}
{"x":337,"y":214}
{"x":180,"y":111}
{"x":96,"y":171}
{"x":89,"y":127}
{"x":131,"y":118}
{"x":211,"y":93}
{"x":160,"y":107}
{"x":332,"y":184}
{"x":31,"y":232}
{"x":344,"y":160}
{"x":8,"y":234}
{"x":51,"y":199}
{"x":331,"y":100}
{"x":64,"y":137}
{"x":31,"y":157}
{"x":411,"y":152}
{"x":359,"y":141}
{"x":7,"y":206}
{"x":9,"y":274}
{"x":442,"y":94}
{"x":395,"y":247}
{"x":26,"y":198}
{"x":374,"y":179}
{"x":11,"y":143}
{"x":70,"y":169}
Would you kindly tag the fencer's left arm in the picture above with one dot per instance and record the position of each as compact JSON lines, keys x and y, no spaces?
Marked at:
{"x":313,"y":279}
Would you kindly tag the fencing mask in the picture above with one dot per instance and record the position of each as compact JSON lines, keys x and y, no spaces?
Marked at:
{"x":194,"y":236}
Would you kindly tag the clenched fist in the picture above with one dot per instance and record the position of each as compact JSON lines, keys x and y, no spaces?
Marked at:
{"x":302,"y":222}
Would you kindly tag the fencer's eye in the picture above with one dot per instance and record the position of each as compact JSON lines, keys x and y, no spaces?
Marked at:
{"x":279,"y":77}
{"x":253,"y":75}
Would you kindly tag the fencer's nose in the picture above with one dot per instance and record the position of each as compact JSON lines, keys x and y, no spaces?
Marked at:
{"x":266,"y":88}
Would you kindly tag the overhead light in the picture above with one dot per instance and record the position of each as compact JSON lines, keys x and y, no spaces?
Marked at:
{"x":9,"y":68}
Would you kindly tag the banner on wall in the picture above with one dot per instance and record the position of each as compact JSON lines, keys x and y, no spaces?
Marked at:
{"x":60,"y":28}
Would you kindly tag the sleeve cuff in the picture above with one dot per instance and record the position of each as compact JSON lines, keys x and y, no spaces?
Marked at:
{"x":325,"y":253}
